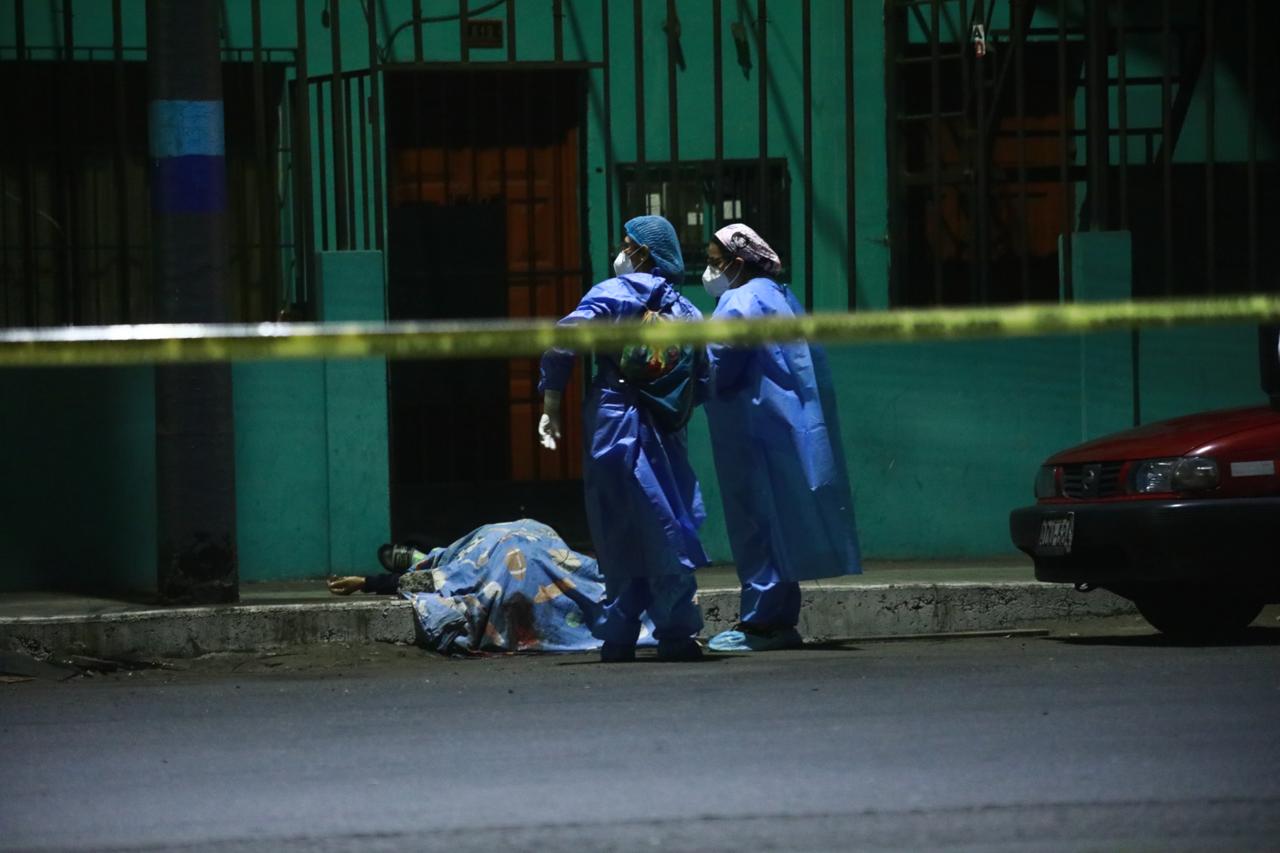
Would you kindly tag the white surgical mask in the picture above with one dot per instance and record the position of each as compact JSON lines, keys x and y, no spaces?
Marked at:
{"x":622,"y":264}
{"x":715,"y":282}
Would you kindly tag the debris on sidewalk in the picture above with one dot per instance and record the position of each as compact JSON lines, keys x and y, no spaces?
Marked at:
{"x":28,"y":665}
{"x":16,"y":667}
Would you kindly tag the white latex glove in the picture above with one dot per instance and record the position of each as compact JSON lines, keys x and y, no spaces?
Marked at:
{"x":549,"y":423}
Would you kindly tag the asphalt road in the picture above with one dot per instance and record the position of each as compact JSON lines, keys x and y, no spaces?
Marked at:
{"x":1112,"y":742}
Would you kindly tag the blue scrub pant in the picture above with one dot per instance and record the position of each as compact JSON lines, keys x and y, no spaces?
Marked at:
{"x":768,"y":602}
{"x":668,"y":599}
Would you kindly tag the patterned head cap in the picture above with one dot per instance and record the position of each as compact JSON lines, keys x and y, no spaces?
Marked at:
{"x":743,"y":242}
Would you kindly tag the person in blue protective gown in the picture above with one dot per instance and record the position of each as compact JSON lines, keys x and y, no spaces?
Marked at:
{"x":776,"y":442}
{"x":643,"y":503}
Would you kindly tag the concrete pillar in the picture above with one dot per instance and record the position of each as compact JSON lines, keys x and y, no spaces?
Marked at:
{"x":195,"y":442}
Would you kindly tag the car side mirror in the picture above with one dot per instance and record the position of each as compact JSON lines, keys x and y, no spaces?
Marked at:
{"x":1269,"y":362}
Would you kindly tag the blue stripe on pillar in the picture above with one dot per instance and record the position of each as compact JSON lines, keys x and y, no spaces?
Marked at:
{"x":186,"y":128}
{"x":192,"y":184}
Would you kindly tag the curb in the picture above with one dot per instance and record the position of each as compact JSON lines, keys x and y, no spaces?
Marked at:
{"x":865,"y":610}
{"x":891,"y":610}
{"x":195,"y":631}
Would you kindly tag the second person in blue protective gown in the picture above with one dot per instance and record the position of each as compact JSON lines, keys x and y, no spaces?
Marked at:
{"x":776,"y":441}
{"x":643,"y":503}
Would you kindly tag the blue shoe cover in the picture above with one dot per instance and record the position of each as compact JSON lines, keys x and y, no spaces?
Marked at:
{"x":749,"y":641}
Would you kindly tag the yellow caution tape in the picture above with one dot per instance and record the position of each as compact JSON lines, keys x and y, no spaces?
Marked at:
{"x":195,"y":342}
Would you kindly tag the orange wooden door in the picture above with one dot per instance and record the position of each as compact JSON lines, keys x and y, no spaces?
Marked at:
{"x":511,"y":138}
{"x":544,"y":279}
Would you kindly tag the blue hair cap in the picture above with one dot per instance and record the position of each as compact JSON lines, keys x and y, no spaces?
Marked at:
{"x":664,"y":246}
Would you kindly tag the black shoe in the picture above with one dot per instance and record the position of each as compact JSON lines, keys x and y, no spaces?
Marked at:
{"x":396,"y":558}
{"x":679,"y":650}
{"x":617,"y":653}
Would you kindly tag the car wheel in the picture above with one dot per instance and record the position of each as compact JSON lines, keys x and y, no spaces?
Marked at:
{"x":1198,"y":614}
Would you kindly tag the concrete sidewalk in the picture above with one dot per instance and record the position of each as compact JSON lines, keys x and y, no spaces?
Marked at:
{"x":889,"y":599}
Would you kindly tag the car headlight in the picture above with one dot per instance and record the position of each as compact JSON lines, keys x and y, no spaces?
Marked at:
{"x":1181,"y":474}
{"x":1047,"y":482}
{"x":1195,"y":473}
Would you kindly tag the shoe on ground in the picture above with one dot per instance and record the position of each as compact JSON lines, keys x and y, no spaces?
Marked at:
{"x":617,"y":653}
{"x":679,"y":650}
{"x":398,"y":558}
{"x":743,"y":638}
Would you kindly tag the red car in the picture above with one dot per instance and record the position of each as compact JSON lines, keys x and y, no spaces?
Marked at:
{"x":1182,"y":516}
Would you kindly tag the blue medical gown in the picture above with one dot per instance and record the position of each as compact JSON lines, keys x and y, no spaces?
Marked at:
{"x":643,"y":503}
{"x":776,"y":441}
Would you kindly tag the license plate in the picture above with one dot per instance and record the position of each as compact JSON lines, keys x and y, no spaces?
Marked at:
{"x":1056,"y":534}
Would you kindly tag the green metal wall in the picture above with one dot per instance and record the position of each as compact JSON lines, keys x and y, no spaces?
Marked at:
{"x":77,"y":463}
{"x":942,"y":439}
{"x":77,"y":478}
